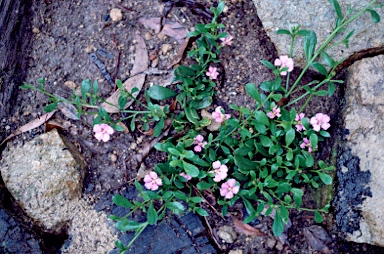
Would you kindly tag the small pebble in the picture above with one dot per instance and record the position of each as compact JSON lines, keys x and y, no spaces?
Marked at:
{"x":70,"y":84}
{"x":165,"y":48}
{"x":116,"y":15}
{"x":35,"y":30}
{"x":113,"y":157}
{"x":236,"y":252}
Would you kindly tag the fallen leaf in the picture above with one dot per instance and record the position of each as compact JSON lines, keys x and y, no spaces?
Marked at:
{"x":171,"y":29}
{"x":179,"y":55}
{"x":153,"y":23}
{"x":317,"y":238}
{"x":213,"y":126}
{"x":175,"y":30}
{"x":31,"y":125}
{"x":140,"y":65}
{"x":245,"y":229}
{"x":68,"y":110}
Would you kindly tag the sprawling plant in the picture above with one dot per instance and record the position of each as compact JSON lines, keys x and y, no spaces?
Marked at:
{"x":262,"y":155}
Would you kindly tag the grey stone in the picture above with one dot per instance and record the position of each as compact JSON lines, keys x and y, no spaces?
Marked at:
{"x":320,"y":17}
{"x":363,"y":119}
{"x":43,"y":176}
{"x":227,"y":234}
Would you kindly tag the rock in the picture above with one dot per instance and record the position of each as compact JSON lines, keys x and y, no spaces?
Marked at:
{"x":35,"y":30}
{"x":14,"y":238}
{"x":165,"y":48}
{"x":363,"y":119}
{"x":320,"y":17}
{"x":227,"y":234}
{"x":116,"y":15}
{"x":271,"y":242}
{"x":236,"y":252}
{"x":43,"y":176}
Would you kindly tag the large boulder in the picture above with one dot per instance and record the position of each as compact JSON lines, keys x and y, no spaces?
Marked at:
{"x":361,"y":173}
{"x":320,"y":17}
{"x":43,"y":176}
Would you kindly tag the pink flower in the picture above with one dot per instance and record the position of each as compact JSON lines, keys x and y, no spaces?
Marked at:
{"x":306,"y":143}
{"x":219,"y":170}
{"x":275,"y":112}
{"x":186,"y":176}
{"x":103,"y":132}
{"x":320,"y":121}
{"x":284,"y":62}
{"x":226,"y":40}
{"x":299,"y":126}
{"x":212,"y":72}
{"x":200,"y":144}
{"x":229,"y":189}
{"x":219,"y":116}
{"x":152,"y":181}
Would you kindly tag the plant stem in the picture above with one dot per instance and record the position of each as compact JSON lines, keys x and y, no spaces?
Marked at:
{"x":327,"y":41}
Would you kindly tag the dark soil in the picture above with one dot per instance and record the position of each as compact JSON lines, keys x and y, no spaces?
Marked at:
{"x":66,"y":32}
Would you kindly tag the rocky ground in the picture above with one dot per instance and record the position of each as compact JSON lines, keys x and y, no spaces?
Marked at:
{"x":65,"y":34}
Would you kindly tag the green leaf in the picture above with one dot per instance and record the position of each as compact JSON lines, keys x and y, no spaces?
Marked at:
{"x":122,"y":101}
{"x":190,"y":169}
{"x":121,"y":201}
{"x":318,"y":217}
{"x":289,"y":136}
{"x":103,"y":113}
{"x":248,"y":206}
{"x":175,"y":207}
{"x":253,"y":92}
{"x":174,"y":151}
{"x":85,"y":86}
{"x":95,"y":87}
{"x":117,"y":127}
{"x":265,"y":141}
{"x":310,"y":41}
{"x":320,"y":68}
{"x":321,"y":93}
{"x":193,"y":33}
{"x":201,"y":211}
{"x":127,"y":225}
{"x":197,"y":199}
{"x":191,"y":114}
{"x":220,"y":8}
{"x":50,"y":107}
{"x":283,"y":31}
{"x":244,"y":163}
{"x":309,"y":160}
{"x":375,"y":17}
{"x":314,"y":140}
{"x":325,"y":134}
{"x":201,"y":28}
{"x":327,"y":59}
{"x":297,"y":196}
{"x":268,"y":64}
{"x":160,"y":93}
{"x":283,"y":187}
{"x":331,"y":88}
{"x":325,"y":178}
{"x":284,"y":213}
{"x":203,"y":185}
{"x":159,"y":128}
{"x":185,"y":71}
{"x":261,"y":117}
{"x":337,"y":8}
{"x":151,"y":215}
{"x":278,"y":225}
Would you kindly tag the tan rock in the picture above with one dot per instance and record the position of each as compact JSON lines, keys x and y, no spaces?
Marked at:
{"x":116,"y":15}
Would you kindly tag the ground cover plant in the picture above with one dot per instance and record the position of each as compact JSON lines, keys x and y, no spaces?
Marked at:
{"x":261,"y":155}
